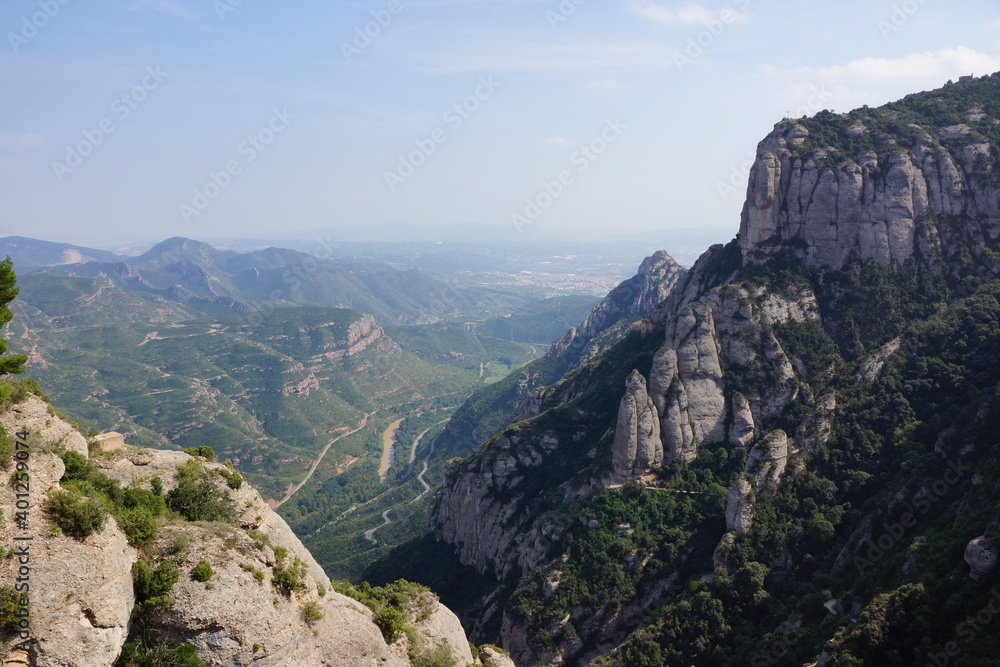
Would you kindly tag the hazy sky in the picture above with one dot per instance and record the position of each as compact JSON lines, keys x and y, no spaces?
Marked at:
{"x":213,"y":118}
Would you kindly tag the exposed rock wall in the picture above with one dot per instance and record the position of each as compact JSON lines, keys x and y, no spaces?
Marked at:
{"x":634,"y":298}
{"x":82,"y":597}
{"x":878,"y":205}
{"x":637,"y":448}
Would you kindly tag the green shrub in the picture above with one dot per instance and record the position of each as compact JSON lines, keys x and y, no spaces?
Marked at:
{"x":10,"y":605}
{"x":13,"y":392}
{"x":289,"y":579}
{"x":310,"y":612}
{"x":233,"y":478}
{"x":139,"y":525}
{"x":204,"y":451}
{"x":137,"y":653}
{"x":202,"y":571}
{"x":280,"y":553}
{"x":439,"y":656}
{"x":151,"y":586}
{"x":196,"y":498}
{"x":6,"y":447}
{"x":75,"y":515}
{"x":391,"y":622}
{"x":157,"y":485}
{"x":257,"y":574}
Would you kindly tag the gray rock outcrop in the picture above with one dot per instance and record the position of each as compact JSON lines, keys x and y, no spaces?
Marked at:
{"x":742,"y":429}
{"x":630,"y":300}
{"x":637,"y":448}
{"x":739,"y":505}
{"x":768,"y":460}
{"x":82,"y":598}
{"x":981,"y":556}
{"x":874,"y":205}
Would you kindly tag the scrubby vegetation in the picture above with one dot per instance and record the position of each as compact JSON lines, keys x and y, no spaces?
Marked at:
{"x":196,"y":496}
{"x":202,"y":571}
{"x":137,"y":653}
{"x":392,"y":604}
{"x":152,"y":584}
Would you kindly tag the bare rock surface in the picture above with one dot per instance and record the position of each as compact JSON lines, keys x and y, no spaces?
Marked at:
{"x":82,"y":597}
{"x":981,"y":556}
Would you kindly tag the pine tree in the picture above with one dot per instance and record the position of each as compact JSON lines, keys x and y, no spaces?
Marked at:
{"x":13,"y":364}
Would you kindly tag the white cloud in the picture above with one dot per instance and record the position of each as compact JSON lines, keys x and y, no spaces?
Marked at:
{"x":942,"y":64}
{"x":874,"y":81}
{"x":559,"y":141}
{"x":20,"y":140}
{"x":691,"y":14}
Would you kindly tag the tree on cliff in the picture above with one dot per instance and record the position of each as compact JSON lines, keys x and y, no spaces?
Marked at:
{"x":15,"y":363}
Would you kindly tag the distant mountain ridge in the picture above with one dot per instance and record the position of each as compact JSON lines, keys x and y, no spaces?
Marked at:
{"x":193,"y":279}
{"x":29,"y":254}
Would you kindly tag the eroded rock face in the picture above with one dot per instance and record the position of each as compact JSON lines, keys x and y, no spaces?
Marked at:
{"x":871,"y":206}
{"x":633,"y":298}
{"x":82,"y":595}
{"x":742,"y":429}
{"x":480,"y":503}
{"x":637,"y":448}
{"x":768,"y":460}
{"x":493,"y":658}
{"x":34,"y":414}
{"x":981,"y":556}
{"x":739,"y":505}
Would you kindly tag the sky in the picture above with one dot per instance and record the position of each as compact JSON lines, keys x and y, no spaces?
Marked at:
{"x":144,"y":119}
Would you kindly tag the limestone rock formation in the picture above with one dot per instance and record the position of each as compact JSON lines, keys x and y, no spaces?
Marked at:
{"x":632,"y":299}
{"x":874,"y":205}
{"x":82,"y":598}
{"x":739,"y":505}
{"x":981,"y":556}
{"x":37,"y":416}
{"x":637,"y":447}
{"x":687,"y":385}
{"x":742,"y":429}
{"x":493,"y":658}
{"x":768,"y":460}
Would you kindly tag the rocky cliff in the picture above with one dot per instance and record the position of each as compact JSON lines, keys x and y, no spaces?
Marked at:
{"x":82,"y":600}
{"x":888,"y":185}
{"x":790,"y":367}
{"x":631,"y":300}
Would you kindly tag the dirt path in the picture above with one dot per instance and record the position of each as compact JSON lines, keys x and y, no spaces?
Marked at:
{"x":388,"y":449}
{"x":312,"y":469}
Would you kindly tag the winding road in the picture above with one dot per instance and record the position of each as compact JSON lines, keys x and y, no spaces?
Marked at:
{"x":294,"y":489}
{"x":370,"y":534}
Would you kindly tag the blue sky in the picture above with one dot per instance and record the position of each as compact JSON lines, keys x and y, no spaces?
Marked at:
{"x":144,"y":119}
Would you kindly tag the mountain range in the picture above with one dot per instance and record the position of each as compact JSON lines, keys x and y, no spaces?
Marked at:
{"x":790,"y":459}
